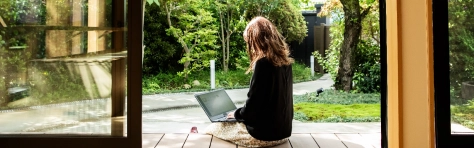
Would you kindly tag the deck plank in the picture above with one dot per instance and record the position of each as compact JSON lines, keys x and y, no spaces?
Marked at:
{"x":219,"y":143}
{"x":172,"y":141}
{"x":198,"y":141}
{"x":302,"y":141}
{"x":354,"y":141}
{"x":374,"y":139}
{"x":150,"y":140}
{"x":328,"y":141}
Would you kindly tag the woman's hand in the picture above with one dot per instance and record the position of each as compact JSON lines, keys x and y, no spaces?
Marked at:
{"x":230,"y":115}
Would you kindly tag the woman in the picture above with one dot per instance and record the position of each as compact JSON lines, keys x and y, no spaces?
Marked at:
{"x":268,"y":112}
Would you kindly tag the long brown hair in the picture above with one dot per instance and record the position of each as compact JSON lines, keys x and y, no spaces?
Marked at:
{"x":264,"y":40}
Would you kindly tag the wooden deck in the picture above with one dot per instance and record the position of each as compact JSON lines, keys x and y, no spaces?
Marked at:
{"x":295,"y":141}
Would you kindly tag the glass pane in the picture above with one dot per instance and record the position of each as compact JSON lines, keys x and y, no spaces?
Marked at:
{"x":461,"y":52}
{"x":62,"y":67}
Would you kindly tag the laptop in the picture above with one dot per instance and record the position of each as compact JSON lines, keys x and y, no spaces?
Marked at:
{"x":217,"y":104}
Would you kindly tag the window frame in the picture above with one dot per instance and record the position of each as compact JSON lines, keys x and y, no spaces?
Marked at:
{"x":133,"y":136}
{"x":444,"y":137}
{"x":383,"y":73}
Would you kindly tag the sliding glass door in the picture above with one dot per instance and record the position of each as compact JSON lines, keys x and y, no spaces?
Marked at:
{"x":70,"y":73}
{"x":453,"y":36}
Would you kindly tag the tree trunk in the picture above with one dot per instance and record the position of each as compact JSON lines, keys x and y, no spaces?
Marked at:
{"x":352,"y":31}
{"x":226,"y":67}
{"x":180,"y":40}
{"x":223,"y":42}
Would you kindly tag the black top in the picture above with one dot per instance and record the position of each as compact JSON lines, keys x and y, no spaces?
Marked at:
{"x":268,"y":111}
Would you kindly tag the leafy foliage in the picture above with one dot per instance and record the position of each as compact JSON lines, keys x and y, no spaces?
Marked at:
{"x":461,"y":44}
{"x":161,"y":51}
{"x":13,"y":61}
{"x":229,"y":17}
{"x":225,"y":34}
{"x":195,"y":29}
{"x":170,"y":82}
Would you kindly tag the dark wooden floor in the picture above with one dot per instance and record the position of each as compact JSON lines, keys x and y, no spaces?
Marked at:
{"x":295,"y":141}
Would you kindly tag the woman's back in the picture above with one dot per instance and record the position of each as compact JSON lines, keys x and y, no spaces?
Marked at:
{"x":268,"y":112}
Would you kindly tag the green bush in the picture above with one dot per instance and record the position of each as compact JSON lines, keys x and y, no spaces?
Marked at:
{"x":300,"y":116}
{"x":302,"y":73}
{"x":366,"y":77}
{"x":161,"y":51}
{"x":170,"y":82}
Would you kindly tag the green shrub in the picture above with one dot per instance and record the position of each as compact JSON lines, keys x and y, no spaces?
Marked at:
{"x":300,"y":116}
{"x":302,"y":73}
{"x":170,"y":82}
{"x":366,"y":77}
{"x":161,"y":51}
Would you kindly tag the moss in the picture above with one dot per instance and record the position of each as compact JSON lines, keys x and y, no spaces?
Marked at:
{"x":317,"y":112}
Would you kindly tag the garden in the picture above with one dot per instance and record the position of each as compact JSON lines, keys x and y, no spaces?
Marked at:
{"x":181,"y":37}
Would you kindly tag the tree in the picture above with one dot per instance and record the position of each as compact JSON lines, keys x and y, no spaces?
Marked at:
{"x":461,"y":41}
{"x":193,"y":28}
{"x":354,"y":12}
{"x":162,"y":51}
{"x":230,"y":20}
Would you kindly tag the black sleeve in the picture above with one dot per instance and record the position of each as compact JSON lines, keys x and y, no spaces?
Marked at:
{"x":260,"y":86}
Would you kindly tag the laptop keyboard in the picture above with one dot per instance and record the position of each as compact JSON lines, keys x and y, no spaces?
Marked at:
{"x":222,"y":119}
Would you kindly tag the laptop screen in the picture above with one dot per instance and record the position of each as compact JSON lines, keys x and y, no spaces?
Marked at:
{"x":216,"y":102}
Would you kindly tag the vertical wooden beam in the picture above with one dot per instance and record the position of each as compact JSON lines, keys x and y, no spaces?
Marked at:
{"x":134,"y":71}
{"x":430,"y":64}
{"x":394,"y":109}
{"x":77,"y":21}
{"x":118,"y":67}
{"x":57,"y":43}
{"x":410,"y":74}
{"x":96,"y":18}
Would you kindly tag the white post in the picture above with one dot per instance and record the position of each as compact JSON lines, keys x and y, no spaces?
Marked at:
{"x":213,"y":77}
{"x":312,"y":65}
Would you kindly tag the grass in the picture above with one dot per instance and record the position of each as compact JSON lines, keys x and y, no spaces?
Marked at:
{"x":172,"y":83}
{"x":336,"y":106}
{"x":338,"y":112}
